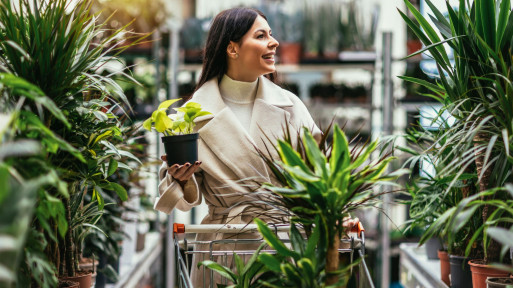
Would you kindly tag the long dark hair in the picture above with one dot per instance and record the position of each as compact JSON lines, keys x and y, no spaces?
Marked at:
{"x":229,"y":25}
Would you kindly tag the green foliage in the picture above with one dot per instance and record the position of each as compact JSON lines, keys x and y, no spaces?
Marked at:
{"x":54,"y":54}
{"x":476,"y":89}
{"x":302,"y":265}
{"x":328,"y":183}
{"x":17,"y":204}
{"x":245,"y":274}
{"x":176,"y":124}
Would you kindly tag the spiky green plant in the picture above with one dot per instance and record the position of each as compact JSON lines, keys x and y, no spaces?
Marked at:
{"x":58,"y":46}
{"x":475,"y":88}
{"x":328,"y":182}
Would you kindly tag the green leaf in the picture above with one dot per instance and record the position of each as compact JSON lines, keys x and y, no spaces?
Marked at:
{"x":290,"y":157}
{"x":301,"y":175}
{"x":270,"y":261}
{"x":113,"y":166}
{"x":120,"y":190}
{"x":165,"y":104}
{"x":273,"y":240}
{"x":501,"y":235}
{"x":147,"y":123}
{"x":5,"y":187}
{"x":314,"y":154}
{"x":340,"y":155}
{"x":239,"y":264}
{"x":223,"y":271}
{"x":97,"y":190}
{"x":162,"y":122}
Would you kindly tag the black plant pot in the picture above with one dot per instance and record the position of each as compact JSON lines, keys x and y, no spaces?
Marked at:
{"x":499,"y":282}
{"x":181,"y":149}
{"x":461,"y":276}
{"x":432,"y":246}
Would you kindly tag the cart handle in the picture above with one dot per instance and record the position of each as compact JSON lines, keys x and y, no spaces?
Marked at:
{"x":358,"y":228}
{"x":179,"y":228}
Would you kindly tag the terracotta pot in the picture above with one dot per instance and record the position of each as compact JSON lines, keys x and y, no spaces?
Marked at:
{"x":68,"y":284}
{"x":497,"y":282}
{"x":83,"y":278}
{"x":480,"y":272}
{"x":290,"y":53}
{"x":445,"y":267}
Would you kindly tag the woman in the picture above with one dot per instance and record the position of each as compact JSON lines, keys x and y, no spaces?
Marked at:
{"x":237,"y":87}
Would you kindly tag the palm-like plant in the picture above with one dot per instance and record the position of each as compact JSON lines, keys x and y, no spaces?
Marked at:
{"x":328,"y":182}
{"x":59,"y":47}
{"x":301,"y":265}
{"x":475,"y":88}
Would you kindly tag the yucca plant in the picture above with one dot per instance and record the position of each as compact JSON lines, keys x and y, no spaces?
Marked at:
{"x":302,"y":263}
{"x":475,"y":88}
{"x":244,"y":276}
{"x":58,"y":46}
{"x":326,"y":181}
{"x":17,"y":201}
{"x":432,"y":193}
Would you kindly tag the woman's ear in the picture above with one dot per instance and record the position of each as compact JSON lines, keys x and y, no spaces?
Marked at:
{"x":232,"y":50}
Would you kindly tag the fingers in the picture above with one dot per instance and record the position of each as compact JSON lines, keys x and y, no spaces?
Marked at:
{"x":350,"y":223}
{"x":183,"y":172}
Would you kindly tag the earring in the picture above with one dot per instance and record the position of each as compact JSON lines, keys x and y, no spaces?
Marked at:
{"x":236,"y":55}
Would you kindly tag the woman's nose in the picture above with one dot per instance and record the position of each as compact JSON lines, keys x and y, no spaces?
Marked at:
{"x":273,"y":42}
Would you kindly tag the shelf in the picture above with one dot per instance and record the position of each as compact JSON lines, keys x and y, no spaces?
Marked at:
{"x":130,"y":275}
{"x":416,"y":270}
{"x":300,"y":68}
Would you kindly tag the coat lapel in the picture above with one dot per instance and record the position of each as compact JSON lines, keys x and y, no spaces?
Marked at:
{"x":269,"y":117}
{"x":225,"y":136}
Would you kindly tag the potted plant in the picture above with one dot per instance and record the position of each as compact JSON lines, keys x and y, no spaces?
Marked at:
{"x":432,"y":196}
{"x":318,"y":185}
{"x":76,"y":129}
{"x":474,"y":88}
{"x":180,"y":140}
{"x":326,"y":180}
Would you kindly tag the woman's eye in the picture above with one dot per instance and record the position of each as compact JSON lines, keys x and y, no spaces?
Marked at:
{"x":260,"y":36}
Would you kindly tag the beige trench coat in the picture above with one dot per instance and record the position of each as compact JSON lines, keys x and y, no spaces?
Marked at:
{"x":228,"y":155}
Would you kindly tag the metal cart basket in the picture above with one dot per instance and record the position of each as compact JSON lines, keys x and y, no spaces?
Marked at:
{"x":185,"y":243}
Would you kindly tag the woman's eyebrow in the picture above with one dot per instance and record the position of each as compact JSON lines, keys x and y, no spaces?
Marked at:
{"x":262,"y":30}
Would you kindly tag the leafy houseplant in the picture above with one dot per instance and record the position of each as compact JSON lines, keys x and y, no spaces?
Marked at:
{"x":325,"y":180}
{"x":57,"y":49}
{"x":180,"y":141}
{"x":475,"y":88}
{"x":300,"y":265}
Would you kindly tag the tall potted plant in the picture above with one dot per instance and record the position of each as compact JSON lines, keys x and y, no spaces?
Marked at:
{"x":55,"y":46}
{"x":326,"y":180}
{"x":475,"y":88}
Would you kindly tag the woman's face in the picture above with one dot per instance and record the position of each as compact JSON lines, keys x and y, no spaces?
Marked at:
{"x":255,"y":52}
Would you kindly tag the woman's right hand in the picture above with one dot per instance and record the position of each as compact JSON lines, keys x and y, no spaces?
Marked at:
{"x":182,"y":173}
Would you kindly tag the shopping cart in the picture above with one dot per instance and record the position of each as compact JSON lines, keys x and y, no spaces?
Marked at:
{"x":184,"y":242}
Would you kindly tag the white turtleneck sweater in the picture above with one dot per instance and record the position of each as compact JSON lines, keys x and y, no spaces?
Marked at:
{"x":239,"y":97}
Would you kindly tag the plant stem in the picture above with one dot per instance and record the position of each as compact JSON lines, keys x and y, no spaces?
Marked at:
{"x":493,"y":250}
{"x":68,"y":241}
{"x":332,"y":260}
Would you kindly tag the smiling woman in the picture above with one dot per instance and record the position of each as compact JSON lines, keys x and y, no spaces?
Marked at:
{"x":237,"y":87}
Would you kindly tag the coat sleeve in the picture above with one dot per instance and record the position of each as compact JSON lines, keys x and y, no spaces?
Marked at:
{"x":172,"y":195}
